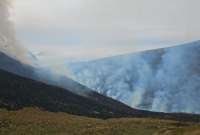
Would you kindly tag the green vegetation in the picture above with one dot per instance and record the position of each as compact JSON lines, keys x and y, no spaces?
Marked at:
{"x":32,"y":121}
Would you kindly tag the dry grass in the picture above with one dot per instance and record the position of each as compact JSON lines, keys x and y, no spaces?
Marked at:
{"x":32,"y":121}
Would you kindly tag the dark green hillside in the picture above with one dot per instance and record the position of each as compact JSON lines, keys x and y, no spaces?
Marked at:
{"x":18,"y":92}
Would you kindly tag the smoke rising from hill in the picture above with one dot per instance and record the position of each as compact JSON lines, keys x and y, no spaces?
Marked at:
{"x":166,"y":80}
{"x":8,"y":42}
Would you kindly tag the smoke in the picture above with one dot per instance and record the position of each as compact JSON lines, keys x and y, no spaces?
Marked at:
{"x":179,"y":80}
{"x":8,"y":42}
{"x":37,"y":71}
{"x":166,"y":80}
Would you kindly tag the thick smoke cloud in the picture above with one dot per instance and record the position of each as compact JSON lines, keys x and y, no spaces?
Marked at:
{"x":23,"y":65}
{"x":166,"y":80}
{"x":8,"y":42}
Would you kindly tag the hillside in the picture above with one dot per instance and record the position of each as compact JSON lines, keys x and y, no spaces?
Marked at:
{"x":37,"y":122}
{"x":19,"y":92}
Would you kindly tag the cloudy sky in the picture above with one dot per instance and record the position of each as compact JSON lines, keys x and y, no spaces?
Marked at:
{"x":89,"y":29}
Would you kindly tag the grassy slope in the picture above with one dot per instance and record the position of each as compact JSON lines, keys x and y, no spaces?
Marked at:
{"x":37,"y":122}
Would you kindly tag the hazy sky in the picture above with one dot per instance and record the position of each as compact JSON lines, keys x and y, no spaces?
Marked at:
{"x":89,"y":29}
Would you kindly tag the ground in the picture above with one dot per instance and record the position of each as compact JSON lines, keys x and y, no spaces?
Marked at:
{"x":34,"y":121}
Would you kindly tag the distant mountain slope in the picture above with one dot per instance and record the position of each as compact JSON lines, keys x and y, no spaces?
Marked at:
{"x":166,"y":80}
{"x":11,"y":65}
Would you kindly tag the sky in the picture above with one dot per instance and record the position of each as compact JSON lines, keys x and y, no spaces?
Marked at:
{"x":79,"y":30}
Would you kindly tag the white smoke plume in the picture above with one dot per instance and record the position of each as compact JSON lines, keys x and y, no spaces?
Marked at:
{"x":166,"y":80}
{"x":8,"y":41}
